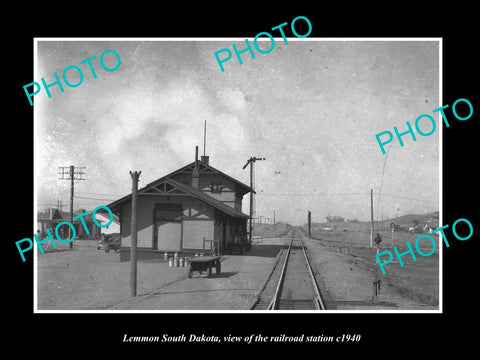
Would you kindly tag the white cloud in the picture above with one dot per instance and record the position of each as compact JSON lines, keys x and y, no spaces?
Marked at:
{"x":232,"y":99}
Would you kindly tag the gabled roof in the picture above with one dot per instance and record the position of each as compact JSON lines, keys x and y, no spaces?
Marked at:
{"x":43,"y":216}
{"x":52,"y":214}
{"x":208,"y":199}
{"x":206,"y":169}
{"x":167,"y":186}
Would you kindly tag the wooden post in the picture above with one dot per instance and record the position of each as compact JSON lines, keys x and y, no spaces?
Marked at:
{"x":251,"y":202}
{"x":371,"y":209}
{"x":375,"y":287}
{"x":309,"y":224}
{"x":133,"y":232}
{"x":71,"y":172}
{"x":251,"y":162}
{"x":72,"y":169}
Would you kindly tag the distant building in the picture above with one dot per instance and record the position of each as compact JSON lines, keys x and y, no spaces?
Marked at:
{"x":394,"y":226}
{"x":51,"y":217}
{"x":192,"y":209}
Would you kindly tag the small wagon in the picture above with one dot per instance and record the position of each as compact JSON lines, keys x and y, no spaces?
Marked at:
{"x":205,"y":263}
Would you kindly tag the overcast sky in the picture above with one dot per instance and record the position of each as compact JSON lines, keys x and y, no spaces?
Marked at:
{"x":311,"y":108}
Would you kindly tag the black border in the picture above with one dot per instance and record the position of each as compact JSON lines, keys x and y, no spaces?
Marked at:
{"x":396,"y":332}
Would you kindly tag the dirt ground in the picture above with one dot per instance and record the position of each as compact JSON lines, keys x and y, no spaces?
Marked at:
{"x":348,"y":269}
{"x":89,"y":279}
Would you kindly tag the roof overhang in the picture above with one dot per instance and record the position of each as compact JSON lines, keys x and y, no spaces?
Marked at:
{"x":169,"y":187}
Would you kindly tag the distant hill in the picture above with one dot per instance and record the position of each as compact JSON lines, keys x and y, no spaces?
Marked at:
{"x":432,"y":219}
{"x":411,"y":218}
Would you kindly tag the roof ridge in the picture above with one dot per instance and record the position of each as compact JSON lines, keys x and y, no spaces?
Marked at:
{"x":202,"y":164}
{"x":214,"y":202}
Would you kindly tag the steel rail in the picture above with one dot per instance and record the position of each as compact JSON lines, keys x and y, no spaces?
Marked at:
{"x":273,"y":304}
{"x":319,"y":304}
{"x":317,"y":299}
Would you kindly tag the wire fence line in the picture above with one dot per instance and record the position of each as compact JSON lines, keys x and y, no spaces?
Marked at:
{"x":344,"y":194}
{"x":103,"y":197}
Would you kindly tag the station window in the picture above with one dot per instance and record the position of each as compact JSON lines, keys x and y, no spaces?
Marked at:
{"x":216,"y":187}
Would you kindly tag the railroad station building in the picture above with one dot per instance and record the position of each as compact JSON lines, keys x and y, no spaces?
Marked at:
{"x":193,"y":209}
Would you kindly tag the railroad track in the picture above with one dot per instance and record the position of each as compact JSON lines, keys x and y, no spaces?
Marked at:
{"x":292,"y":284}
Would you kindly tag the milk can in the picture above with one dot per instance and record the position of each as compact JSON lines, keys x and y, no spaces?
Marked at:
{"x":181,"y":262}
{"x":175,"y":262}
{"x":170,"y":262}
{"x":165,"y":256}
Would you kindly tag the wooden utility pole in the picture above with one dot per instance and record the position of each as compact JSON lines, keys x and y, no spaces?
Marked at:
{"x":377,"y":281}
{"x":71,"y":176}
{"x":309,"y":224}
{"x":371,"y":208}
{"x":273,"y":220}
{"x":251,"y":161}
{"x":72,"y":169}
{"x":133,"y":231}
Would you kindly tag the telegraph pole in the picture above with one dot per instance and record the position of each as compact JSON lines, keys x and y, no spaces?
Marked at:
{"x":251,"y":161}
{"x":309,"y":224}
{"x":72,"y":186}
{"x":371,"y":208}
{"x":71,"y":172}
{"x":133,"y":231}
